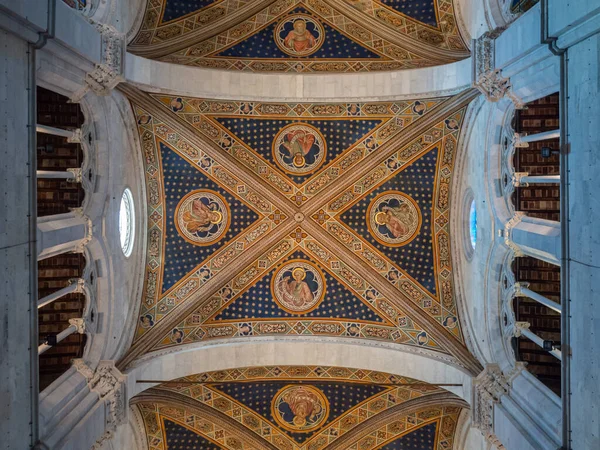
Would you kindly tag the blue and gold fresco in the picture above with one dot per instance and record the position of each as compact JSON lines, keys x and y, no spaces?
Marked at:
{"x":421,"y":10}
{"x":299,"y":408}
{"x":176,"y":9}
{"x":420,"y":439}
{"x":416,"y":256}
{"x":179,"y":437}
{"x":261,"y":134}
{"x":259,"y":301}
{"x":259,"y":397}
{"x":327,"y":42}
{"x":180,"y":178}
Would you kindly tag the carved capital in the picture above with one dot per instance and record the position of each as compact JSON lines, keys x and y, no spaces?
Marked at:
{"x":88,"y":230}
{"x":513,"y":222}
{"x":109,"y":72}
{"x":83,"y":369}
{"x":520,"y":327}
{"x":517,"y":177}
{"x":517,"y":141}
{"x":76,"y":137}
{"x":108,"y":435}
{"x":76,"y":174}
{"x":518,"y":288}
{"x":488,"y":388}
{"x":79,"y":324}
{"x":79,"y":282}
{"x":109,"y":383}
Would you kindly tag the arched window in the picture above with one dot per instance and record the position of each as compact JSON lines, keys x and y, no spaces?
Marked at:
{"x":127,"y":222}
{"x":473,"y":224}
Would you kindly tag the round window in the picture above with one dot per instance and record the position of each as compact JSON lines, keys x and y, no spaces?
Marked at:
{"x":126,"y":222}
{"x":473,"y":224}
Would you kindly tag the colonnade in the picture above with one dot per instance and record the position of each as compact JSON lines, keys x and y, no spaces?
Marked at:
{"x":63,"y":233}
{"x":534,"y":237}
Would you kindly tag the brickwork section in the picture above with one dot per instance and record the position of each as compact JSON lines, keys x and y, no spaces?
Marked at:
{"x":55,"y":153}
{"x":56,"y":197}
{"x":54,"y":274}
{"x":541,"y":201}
{"x":543,"y":278}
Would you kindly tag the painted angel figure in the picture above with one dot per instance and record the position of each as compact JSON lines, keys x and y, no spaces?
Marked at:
{"x":396,"y":219}
{"x":200,"y":217}
{"x":300,"y":40}
{"x":304,"y":404}
{"x":296,"y":291}
{"x":298,"y":143}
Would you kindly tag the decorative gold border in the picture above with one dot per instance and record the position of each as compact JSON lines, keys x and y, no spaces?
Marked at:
{"x":225,"y":228}
{"x":277,"y":270}
{"x":292,"y":18}
{"x":368,"y":218}
{"x":284,"y":425}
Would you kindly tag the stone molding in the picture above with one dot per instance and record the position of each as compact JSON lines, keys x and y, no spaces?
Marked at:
{"x":517,"y":177}
{"x":520,"y":327}
{"x":488,"y":389}
{"x":110,"y":71}
{"x":109,"y":383}
{"x":512,"y":223}
{"x":89,"y":230}
{"x":79,"y":324}
{"x":486,"y":77}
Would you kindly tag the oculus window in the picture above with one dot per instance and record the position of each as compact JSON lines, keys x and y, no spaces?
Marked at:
{"x":127,"y":222}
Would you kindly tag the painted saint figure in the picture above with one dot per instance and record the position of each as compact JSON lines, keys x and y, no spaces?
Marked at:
{"x":300,"y":40}
{"x":200,"y":217}
{"x":304,"y":404}
{"x":298,"y":144}
{"x":396,"y":219}
{"x":296,"y":291}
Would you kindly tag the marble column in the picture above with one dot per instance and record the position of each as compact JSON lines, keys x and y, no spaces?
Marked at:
{"x":76,"y":326}
{"x":62,"y":233}
{"x":523,"y":141}
{"x":523,"y":179}
{"x":71,"y":174}
{"x":73,"y":136}
{"x":522,"y":329}
{"x":530,"y":236}
{"x":522,"y":290}
{"x":75,"y":286}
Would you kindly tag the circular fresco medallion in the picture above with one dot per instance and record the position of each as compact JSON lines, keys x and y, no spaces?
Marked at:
{"x":393,"y":218}
{"x":298,"y":286}
{"x":202,"y":217}
{"x":300,"y":408}
{"x":299,"y":35}
{"x":299,"y":149}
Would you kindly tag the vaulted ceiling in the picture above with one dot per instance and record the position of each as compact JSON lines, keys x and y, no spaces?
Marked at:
{"x":298,"y":408}
{"x":295,"y":219}
{"x":301,"y":35}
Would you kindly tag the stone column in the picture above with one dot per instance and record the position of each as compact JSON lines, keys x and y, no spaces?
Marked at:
{"x":76,"y":326}
{"x":530,"y":236}
{"x":523,"y":140}
{"x":523,"y":179}
{"x":522,"y":329}
{"x":71,"y":174}
{"x":522,"y":290}
{"x":85,"y":409}
{"x":488,"y":388}
{"x":73,"y":136}
{"x":75,"y":286}
{"x":62,"y":233}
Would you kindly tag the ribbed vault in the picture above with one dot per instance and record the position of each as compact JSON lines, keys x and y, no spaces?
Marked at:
{"x":301,"y":35}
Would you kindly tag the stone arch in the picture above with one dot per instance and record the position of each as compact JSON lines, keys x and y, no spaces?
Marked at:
{"x":230,"y":354}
